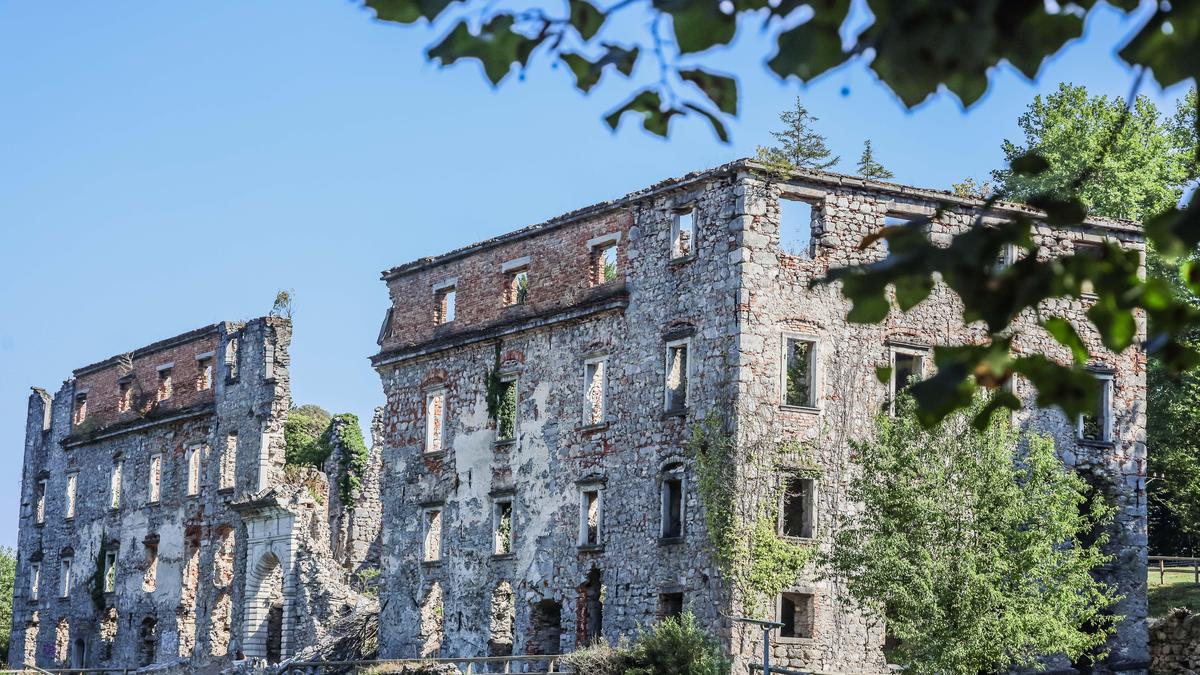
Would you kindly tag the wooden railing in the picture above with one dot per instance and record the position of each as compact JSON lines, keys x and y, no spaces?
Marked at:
{"x":468,"y":666}
{"x":1166,"y":563}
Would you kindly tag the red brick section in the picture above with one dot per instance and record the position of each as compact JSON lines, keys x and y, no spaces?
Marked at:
{"x":560,"y":275}
{"x":101,"y":385}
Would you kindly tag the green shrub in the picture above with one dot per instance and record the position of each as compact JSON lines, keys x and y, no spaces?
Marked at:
{"x":302,"y":434}
{"x":678,"y":646}
{"x":600,"y":658}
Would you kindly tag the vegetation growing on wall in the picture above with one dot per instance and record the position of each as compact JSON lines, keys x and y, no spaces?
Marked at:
{"x":302,"y":434}
{"x":494,"y":386}
{"x":346,"y":432}
{"x":740,"y":515}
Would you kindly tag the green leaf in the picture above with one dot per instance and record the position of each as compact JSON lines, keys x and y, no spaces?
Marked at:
{"x":407,"y":11}
{"x":1073,"y":389}
{"x":808,"y":50}
{"x":1172,"y":55}
{"x":720,"y":89}
{"x":883,"y":374}
{"x":1000,"y":399}
{"x":717,"y":125}
{"x":1062,"y":331}
{"x":911,"y":290}
{"x":496,"y":46}
{"x":919,"y":46}
{"x":587,"y":73}
{"x":1060,"y":211}
{"x":1030,"y":164}
{"x":698,"y":24}
{"x":649,"y":104}
{"x":1116,"y":324}
{"x":585,"y":18}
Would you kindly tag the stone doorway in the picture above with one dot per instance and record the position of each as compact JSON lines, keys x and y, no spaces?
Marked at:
{"x":275,"y":630}
{"x":266,"y":611}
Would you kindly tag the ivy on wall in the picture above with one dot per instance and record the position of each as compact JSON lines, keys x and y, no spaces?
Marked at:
{"x":740,"y":515}
{"x":345,"y":431}
{"x":98,"y":575}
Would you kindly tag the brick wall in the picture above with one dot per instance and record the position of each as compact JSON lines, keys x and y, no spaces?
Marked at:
{"x":100,"y":381}
{"x":559,"y":276}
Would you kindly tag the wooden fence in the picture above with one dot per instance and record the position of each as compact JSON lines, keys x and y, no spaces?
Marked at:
{"x":1166,"y":563}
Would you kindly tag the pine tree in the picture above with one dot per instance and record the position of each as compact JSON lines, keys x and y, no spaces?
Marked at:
{"x":869,"y":168}
{"x":799,"y":147}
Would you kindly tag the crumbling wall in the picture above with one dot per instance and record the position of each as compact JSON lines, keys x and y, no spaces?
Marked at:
{"x":158,"y":483}
{"x":1175,"y":643}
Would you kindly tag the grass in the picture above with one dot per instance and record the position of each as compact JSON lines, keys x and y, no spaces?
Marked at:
{"x":1178,"y":589}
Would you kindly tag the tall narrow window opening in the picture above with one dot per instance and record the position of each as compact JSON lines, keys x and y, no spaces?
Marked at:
{"x":124,"y":396}
{"x":194,"y":455}
{"x":433,"y":535}
{"x":502,"y":525}
{"x":589,"y":516}
{"x":435,"y":420}
{"x":64,"y":589}
{"x":595,"y":387}
{"x":800,"y":360}
{"x":445,"y":300}
{"x":796,"y":227}
{"x":110,"y":571}
{"x":155,"y":486}
{"x":1097,"y":426}
{"x":683,"y":234}
{"x":81,"y":408}
{"x":506,"y":416}
{"x":672,"y":502}
{"x":229,"y":462}
{"x":796,"y":509}
{"x":114,"y":485}
{"x":72,"y":482}
{"x":677,"y":371}
{"x":204,"y":374}
{"x":166,"y":383}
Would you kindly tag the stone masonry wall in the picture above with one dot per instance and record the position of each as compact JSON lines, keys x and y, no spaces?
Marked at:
{"x":178,"y":554}
{"x":734,"y":300}
{"x":557,"y":452}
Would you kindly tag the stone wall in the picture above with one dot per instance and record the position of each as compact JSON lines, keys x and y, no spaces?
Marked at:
{"x":1175,"y":643}
{"x":733,"y":300}
{"x":173,"y":496}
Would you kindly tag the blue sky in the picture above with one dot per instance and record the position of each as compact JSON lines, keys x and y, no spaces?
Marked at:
{"x":167,"y":165}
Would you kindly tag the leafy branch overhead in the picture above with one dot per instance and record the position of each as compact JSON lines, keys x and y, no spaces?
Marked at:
{"x":914,"y":47}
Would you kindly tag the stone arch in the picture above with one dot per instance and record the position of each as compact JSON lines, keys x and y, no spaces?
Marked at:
{"x":223,"y":556}
{"x":148,"y":641}
{"x":79,"y":653}
{"x":266,"y":611}
{"x":433,"y":621}
{"x":500,"y":633}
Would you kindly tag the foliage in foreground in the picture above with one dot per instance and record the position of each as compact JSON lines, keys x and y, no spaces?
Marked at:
{"x":8,"y":573}
{"x":674,"y":40}
{"x":977,"y":546}
{"x":674,"y":646}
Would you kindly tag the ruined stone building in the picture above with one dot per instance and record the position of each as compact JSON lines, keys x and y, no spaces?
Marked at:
{"x":542,"y":387}
{"x":158,"y":524}
{"x":538,"y":485}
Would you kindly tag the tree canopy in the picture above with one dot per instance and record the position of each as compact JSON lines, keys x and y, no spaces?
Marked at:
{"x":978,"y":549}
{"x":8,"y":573}
{"x":915,"y":47}
{"x":1137,"y":163}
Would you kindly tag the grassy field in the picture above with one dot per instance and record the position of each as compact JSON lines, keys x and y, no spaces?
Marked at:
{"x":1178,"y":589}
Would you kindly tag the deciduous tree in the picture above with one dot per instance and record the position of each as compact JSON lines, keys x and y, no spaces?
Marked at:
{"x":977,"y":548}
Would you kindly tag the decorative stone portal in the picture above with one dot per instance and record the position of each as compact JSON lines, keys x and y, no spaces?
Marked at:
{"x":265,"y":608}
{"x":270,"y":590}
